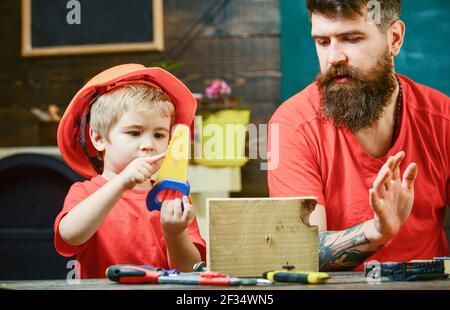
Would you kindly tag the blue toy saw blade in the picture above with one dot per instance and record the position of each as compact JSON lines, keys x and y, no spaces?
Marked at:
{"x":153,"y":203}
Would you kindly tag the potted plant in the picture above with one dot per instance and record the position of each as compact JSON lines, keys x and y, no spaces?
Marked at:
{"x":220,"y":127}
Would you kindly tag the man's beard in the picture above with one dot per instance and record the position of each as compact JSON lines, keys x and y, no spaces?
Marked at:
{"x":359,"y":102}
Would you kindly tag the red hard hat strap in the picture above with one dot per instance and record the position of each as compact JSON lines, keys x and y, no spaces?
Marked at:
{"x":93,"y":160}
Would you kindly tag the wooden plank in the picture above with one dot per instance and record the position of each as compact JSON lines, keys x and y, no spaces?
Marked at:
{"x":237,"y":17}
{"x":57,"y":80}
{"x":250,"y":66}
{"x":248,"y":236}
{"x":18,"y":127}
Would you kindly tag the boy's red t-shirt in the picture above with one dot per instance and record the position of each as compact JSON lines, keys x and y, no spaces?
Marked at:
{"x":130,"y":234}
{"x":317,"y":159}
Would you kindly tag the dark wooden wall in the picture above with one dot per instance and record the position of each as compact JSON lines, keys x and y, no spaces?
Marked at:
{"x":236,"y":40}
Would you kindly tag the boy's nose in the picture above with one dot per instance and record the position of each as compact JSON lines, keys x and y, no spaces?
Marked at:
{"x":146,"y":145}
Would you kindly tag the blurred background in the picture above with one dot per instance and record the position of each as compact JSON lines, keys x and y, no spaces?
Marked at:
{"x":261,"y":48}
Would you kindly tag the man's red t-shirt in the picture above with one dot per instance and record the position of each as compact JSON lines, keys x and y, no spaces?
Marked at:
{"x":130,"y":234}
{"x":315,"y":158}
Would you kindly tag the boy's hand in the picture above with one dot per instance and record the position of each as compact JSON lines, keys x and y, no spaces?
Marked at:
{"x":173,"y":219}
{"x":139,"y":170}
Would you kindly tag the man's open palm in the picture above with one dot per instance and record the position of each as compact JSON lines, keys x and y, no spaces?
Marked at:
{"x":392,"y":197}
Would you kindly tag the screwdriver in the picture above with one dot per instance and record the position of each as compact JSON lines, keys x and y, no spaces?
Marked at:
{"x":295,"y":276}
{"x":132,"y":274}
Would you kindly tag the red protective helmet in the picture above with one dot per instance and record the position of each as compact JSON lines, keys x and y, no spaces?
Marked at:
{"x":73,"y":130}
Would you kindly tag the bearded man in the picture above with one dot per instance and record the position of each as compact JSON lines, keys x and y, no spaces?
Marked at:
{"x":355,"y":139}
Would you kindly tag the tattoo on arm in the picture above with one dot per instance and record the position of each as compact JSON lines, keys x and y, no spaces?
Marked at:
{"x":343,"y":250}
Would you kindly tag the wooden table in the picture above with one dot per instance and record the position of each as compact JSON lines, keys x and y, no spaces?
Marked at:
{"x":338,"y":281}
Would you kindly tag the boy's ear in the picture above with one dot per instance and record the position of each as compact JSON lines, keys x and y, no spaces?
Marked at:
{"x":97,"y":140}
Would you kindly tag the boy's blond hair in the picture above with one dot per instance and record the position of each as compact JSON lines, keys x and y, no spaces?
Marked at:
{"x":109,"y":108}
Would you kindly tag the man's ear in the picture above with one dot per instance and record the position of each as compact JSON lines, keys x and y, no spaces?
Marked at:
{"x":396,"y":35}
{"x":97,"y":140}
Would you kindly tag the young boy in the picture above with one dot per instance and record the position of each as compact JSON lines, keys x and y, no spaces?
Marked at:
{"x":105,"y":221}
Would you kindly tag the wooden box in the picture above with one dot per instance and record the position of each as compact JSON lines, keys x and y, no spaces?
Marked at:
{"x":248,"y":236}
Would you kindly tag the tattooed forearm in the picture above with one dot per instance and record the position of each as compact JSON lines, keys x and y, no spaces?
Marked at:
{"x":341,"y":250}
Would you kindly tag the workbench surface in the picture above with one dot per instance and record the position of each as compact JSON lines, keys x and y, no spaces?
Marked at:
{"x":338,"y":281}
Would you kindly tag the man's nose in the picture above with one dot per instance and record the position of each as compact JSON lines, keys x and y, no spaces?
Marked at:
{"x":336,"y":54}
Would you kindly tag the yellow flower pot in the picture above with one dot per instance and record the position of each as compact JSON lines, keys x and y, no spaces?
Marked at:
{"x":219,"y":139}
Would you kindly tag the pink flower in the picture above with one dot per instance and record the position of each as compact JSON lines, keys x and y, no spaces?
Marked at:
{"x":217,"y":88}
{"x":225,"y":88}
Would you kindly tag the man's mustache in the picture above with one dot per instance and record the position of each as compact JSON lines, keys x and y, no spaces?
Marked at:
{"x":336,"y":71}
